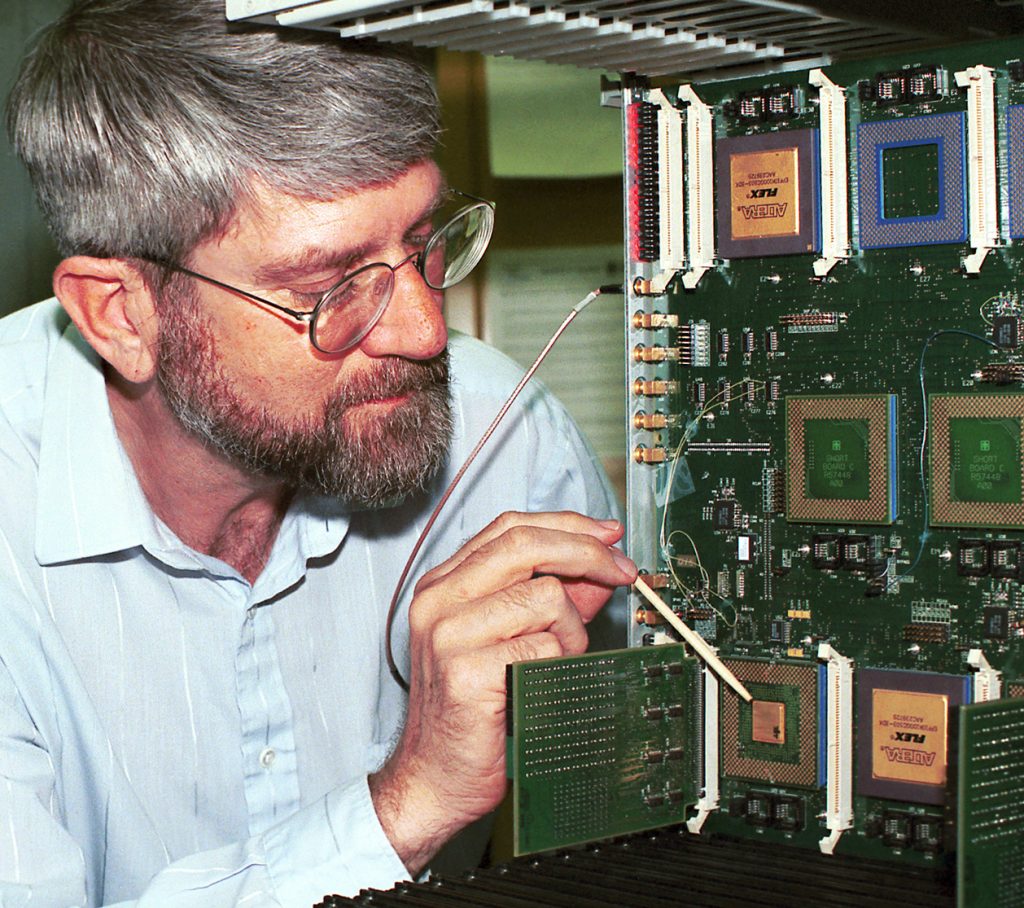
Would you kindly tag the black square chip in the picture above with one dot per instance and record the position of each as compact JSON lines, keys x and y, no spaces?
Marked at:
{"x":723,"y":515}
{"x":1005,"y":330}
{"x":996,"y":623}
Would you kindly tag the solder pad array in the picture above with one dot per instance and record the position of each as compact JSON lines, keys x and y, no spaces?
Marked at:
{"x":990,"y":832}
{"x":791,"y":691}
{"x":977,"y":459}
{"x":912,"y":181}
{"x":1015,"y":170}
{"x":841,"y":459}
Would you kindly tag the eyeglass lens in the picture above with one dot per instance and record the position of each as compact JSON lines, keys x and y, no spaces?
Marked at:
{"x":348,"y":312}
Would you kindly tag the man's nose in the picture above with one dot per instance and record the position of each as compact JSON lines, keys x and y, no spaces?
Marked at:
{"x":412,"y":326}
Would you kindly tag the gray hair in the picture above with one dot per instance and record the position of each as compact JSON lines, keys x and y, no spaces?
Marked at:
{"x":144,"y":124}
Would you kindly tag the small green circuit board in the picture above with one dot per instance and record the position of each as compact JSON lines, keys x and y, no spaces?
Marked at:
{"x":602,"y":744}
{"x":990,"y":853}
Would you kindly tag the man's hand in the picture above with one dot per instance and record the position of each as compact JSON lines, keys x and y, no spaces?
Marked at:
{"x":523,"y":588}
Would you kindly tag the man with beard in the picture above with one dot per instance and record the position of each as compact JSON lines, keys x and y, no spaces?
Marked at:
{"x":217,"y":450}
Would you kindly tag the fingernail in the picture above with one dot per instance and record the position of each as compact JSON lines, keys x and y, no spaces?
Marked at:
{"x":624,"y":564}
{"x":610,"y":524}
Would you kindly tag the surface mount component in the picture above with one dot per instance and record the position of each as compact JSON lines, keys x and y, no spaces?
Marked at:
{"x":776,"y":737}
{"x":905,"y":721}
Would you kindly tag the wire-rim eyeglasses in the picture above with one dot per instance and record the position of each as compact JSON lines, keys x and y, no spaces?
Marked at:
{"x":351,"y":307}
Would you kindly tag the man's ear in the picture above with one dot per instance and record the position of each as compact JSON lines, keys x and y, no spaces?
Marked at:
{"x":113,"y":307}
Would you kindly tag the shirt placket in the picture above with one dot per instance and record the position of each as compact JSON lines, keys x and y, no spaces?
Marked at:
{"x":268,"y":733}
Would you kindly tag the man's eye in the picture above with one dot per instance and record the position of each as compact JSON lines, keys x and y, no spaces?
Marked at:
{"x":306,"y":298}
{"x":419,"y":240}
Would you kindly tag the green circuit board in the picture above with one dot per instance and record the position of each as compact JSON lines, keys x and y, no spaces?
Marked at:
{"x":825,"y":379}
{"x":602,"y":744}
{"x":990,"y":827}
{"x":826,"y":386}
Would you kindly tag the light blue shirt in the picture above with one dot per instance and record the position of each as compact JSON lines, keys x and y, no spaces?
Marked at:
{"x":170,"y":733}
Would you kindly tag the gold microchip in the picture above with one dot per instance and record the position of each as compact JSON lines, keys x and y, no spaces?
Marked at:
{"x":908,"y":742}
{"x":765,"y":188}
{"x":769,"y":722}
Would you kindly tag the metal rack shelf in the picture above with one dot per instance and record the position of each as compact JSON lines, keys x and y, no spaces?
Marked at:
{"x":701,"y":38}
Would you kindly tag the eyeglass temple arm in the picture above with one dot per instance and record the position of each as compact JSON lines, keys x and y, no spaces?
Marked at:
{"x":475,"y":198}
{"x":301,"y":316}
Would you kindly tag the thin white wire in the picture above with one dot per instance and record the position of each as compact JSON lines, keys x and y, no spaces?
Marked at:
{"x":665,"y":541}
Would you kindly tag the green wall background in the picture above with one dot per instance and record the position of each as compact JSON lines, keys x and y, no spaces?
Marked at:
{"x":27,"y":255}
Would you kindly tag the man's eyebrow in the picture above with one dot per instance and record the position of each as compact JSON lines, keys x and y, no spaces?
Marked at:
{"x":315,"y":259}
{"x":312,"y":260}
{"x":438,"y":202}
{"x":428,"y":211}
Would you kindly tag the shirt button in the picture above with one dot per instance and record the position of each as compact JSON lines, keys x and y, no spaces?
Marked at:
{"x":267,"y":757}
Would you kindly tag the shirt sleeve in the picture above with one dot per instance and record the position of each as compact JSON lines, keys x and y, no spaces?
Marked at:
{"x":335,"y":845}
{"x":338,"y":840}
{"x":40,"y":863}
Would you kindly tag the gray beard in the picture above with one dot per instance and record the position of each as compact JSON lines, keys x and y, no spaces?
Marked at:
{"x":367,"y":463}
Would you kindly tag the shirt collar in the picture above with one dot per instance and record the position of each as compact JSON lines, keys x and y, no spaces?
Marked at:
{"x":90,"y":502}
{"x":88,"y":497}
